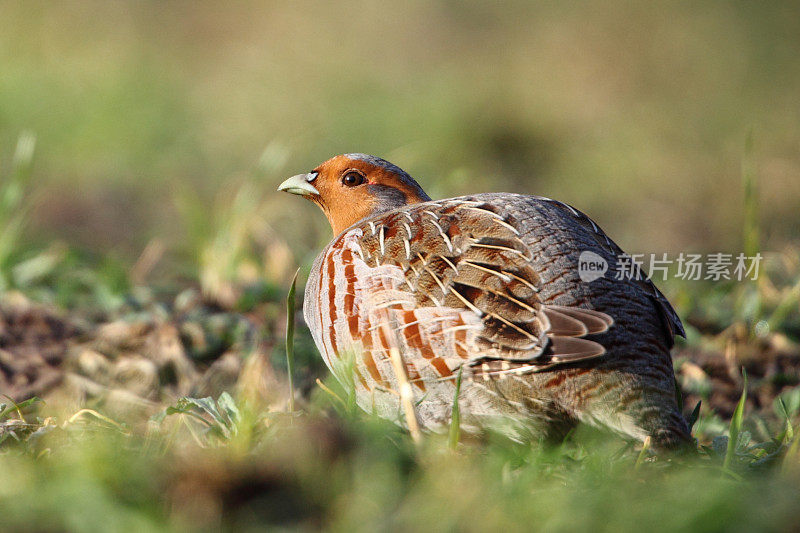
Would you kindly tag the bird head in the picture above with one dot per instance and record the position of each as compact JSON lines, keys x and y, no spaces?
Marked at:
{"x":351,"y":187}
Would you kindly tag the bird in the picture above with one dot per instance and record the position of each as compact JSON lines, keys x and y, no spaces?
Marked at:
{"x":483,"y":298}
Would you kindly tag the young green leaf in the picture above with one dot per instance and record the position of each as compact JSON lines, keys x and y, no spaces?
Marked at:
{"x":228,"y":406}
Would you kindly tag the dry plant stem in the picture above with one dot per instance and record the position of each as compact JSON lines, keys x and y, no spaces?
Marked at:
{"x":404,"y":386}
{"x":83,"y":412}
{"x":333,"y":395}
{"x":149,"y":258}
{"x":643,"y":453}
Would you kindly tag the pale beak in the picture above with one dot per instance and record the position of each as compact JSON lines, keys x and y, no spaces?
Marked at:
{"x":300,"y":185}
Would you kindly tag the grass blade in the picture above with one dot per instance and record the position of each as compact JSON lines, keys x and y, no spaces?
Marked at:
{"x":403,"y":385}
{"x":736,"y":424}
{"x":642,"y":453}
{"x":694,"y":416}
{"x":82,"y":414}
{"x":290,"y":307}
{"x":751,"y":228}
{"x":18,"y":407}
{"x":790,"y":459}
{"x":788,"y":432}
{"x":14,"y":200}
{"x":332,"y":394}
{"x":787,"y":305}
{"x":455,"y":420}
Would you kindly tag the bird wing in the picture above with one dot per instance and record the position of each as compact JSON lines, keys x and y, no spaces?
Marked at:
{"x":448,"y":282}
{"x":669,"y":317}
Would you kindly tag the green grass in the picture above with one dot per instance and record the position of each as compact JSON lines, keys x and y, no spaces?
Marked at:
{"x":206,"y":463}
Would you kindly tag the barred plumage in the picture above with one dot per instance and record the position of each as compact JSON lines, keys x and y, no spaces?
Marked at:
{"x":489,"y":284}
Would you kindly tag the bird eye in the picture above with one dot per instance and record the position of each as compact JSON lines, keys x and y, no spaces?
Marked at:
{"x":352,"y":179}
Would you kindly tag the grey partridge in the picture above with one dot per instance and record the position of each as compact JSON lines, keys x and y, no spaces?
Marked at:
{"x":487,"y":285}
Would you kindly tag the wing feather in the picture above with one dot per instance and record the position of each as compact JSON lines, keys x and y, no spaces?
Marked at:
{"x":475,"y":293}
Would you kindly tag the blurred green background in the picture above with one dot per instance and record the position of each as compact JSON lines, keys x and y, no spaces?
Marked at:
{"x":140,"y":147}
{"x":145,"y":113}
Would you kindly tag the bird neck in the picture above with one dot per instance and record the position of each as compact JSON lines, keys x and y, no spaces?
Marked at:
{"x":381,"y":199}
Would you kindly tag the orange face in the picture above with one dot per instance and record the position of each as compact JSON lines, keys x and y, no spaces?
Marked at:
{"x":351,"y":187}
